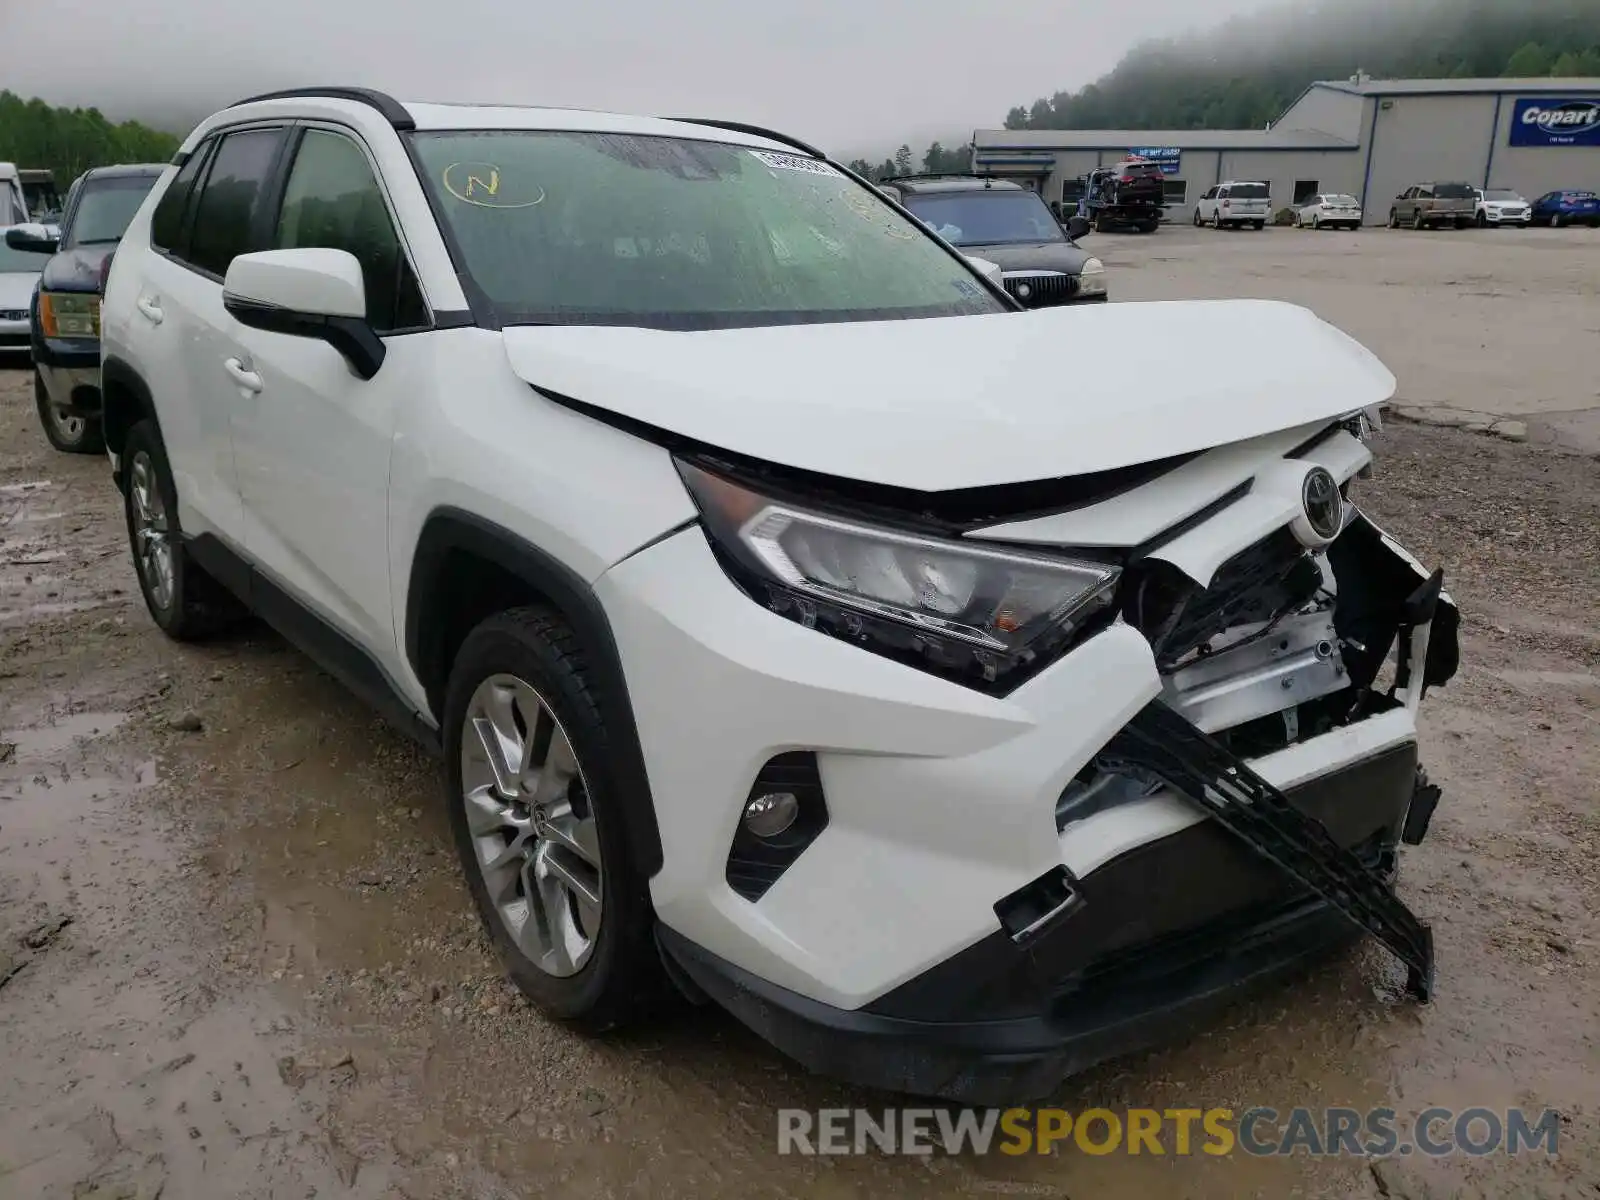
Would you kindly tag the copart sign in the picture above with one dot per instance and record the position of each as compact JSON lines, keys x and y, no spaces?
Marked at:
{"x":1554,"y":121}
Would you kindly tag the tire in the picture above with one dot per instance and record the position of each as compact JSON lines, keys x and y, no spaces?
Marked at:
{"x":530,"y":656}
{"x":1394,"y":219}
{"x":1559,"y":221}
{"x":1417,"y":222}
{"x":1316,"y":223}
{"x":70,"y":435}
{"x":1461,"y":222}
{"x":1197,"y":221}
{"x":183,"y":600}
{"x":1216,"y":220}
{"x":1483,"y":221}
{"x":1149,"y":226}
{"x":1260,"y":225}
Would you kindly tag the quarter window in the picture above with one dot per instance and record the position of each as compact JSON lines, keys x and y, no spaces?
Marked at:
{"x":166,"y":223}
{"x":332,"y":200}
{"x":224,"y":219}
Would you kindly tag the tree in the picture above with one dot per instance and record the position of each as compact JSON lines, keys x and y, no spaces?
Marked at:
{"x":861,"y":167}
{"x":1532,"y":59}
{"x":68,"y":141}
{"x":902,"y":161}
{"x":1017,"y":118}
{"x":1571,"y":65}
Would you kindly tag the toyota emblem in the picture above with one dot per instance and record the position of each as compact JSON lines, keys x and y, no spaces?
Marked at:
{"x":1319,"y":495}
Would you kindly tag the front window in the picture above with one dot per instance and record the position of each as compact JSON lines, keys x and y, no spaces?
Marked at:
{"x":104,"y":209}
{"x":1501,"y":194}
{"x":575,"y":228}
{"x":26,"y":262}
{"x":987,"y":217}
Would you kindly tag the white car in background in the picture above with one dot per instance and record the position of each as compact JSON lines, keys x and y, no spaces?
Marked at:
{"x":1235,"y":203}
{"x":19,"y":276}
{"x":1502,"y":206}
{"x":1329,"y":210}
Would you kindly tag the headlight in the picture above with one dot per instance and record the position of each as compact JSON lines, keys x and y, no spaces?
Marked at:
{"x":984,"y":617}
{"x":69,"y":315}
{"x":1092,"y":279}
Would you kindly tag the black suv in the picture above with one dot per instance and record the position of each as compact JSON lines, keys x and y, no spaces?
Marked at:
{"x":1010,"y":226}
{"x":65,"y":318}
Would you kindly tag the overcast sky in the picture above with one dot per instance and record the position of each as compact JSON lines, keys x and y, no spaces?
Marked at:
{"x":855,"y":76}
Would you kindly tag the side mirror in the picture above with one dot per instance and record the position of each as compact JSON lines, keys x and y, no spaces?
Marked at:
{"x":308,"y":292}
{"x":984,"y":267}
{"x":33,"y":237}
{"x":1077,"y":226}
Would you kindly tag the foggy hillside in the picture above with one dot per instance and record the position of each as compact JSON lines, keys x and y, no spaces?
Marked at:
{"x":1245,"y":72}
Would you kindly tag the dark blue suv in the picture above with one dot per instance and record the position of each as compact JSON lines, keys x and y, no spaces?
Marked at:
{"x":64,"y":318}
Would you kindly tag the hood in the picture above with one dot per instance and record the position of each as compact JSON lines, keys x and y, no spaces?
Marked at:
{"x":1038,"y":256}
{"x":78,"y":269}
{"x":16,"y":289}
{"x":958,"y":402}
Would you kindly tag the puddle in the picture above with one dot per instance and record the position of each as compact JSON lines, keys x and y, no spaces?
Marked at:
{"x":42,"y":741}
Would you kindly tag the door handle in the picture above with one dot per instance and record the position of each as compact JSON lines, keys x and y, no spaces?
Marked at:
{"x":248,"y":380}
{"x":151,"y":309}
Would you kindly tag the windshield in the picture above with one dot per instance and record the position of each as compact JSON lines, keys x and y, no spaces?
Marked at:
{"x":27,"y":261}
{"x":1501,"y":194}
{"x":673,"y":233}
{"x":1453,"y":191}
{"x":105,"y":208}
{"x":987,"y":218}
{"x":1248,"y":191}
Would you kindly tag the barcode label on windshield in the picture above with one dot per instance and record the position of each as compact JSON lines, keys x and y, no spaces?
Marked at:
{"x":794,"y":162}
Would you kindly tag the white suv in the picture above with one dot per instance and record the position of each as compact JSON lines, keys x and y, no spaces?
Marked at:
{"x":797,"y":620}
{"x":1236,"y":204}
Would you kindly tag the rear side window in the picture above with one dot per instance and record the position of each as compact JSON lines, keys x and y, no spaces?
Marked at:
{"x":166,"y":223}
{"x":224,"y":217}
{"x":332,"y":200}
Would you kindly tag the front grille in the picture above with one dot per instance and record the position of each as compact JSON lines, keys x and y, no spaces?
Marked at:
{"x":1042,"y":291}
{"x":13,"y":314}
{"x":1260,"y":583}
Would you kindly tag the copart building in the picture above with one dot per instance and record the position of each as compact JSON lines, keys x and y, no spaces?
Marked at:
{"x":1369,"y":138}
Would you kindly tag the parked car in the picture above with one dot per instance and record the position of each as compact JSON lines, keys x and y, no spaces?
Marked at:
{"x":1566,"y":208}
{"x":64,"y":329}
{"x":1131,"y":194}
{"x":1010,"y":226}
{"x":1434,"y":205}
{"x":1501,"y":206}
{"x":1329,"y":210}
{"x":19,"y":278}
{"x":1234,"y":203}
{"x":13,"y":201}
{"x":799,"y":619}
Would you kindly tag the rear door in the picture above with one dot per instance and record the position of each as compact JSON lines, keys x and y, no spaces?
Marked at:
{"x":182,"y":303}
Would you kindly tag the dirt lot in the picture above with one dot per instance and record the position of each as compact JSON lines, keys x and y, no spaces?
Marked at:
{"x":235,"y":960}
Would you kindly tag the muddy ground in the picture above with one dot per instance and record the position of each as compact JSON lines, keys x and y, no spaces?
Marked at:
{"x":236,"y":960}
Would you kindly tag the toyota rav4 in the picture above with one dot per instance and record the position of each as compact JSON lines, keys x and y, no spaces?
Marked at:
{"x":794,"y":629}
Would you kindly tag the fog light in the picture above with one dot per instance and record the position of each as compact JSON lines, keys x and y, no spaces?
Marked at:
{"x":771,"y":813}
{"x":1024,"y":291}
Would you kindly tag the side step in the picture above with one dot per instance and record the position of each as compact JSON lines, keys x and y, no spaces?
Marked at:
{"x":1161,"y":744}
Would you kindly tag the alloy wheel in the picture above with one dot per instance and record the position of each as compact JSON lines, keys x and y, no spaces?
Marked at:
{"x":68,"y":427}
{"x":151,"y":531}
{"x":532,"y":830}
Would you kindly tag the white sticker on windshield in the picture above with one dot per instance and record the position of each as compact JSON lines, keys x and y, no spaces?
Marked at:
{"x":794,"y":162}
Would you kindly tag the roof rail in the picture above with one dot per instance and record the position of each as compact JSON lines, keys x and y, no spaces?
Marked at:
{"x":391,"y":109}
{"x":942,"y":175}
{"x":754,"y":131}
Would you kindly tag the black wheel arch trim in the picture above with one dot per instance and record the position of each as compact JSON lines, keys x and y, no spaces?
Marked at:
{"x":448,"y":530}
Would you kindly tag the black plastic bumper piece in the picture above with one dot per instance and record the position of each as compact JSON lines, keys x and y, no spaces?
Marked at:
{"x":1165,"y":935}
{"x":1161,"y":743}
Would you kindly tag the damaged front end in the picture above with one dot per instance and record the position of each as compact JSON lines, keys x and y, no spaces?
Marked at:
{"x":1290,"y":643}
